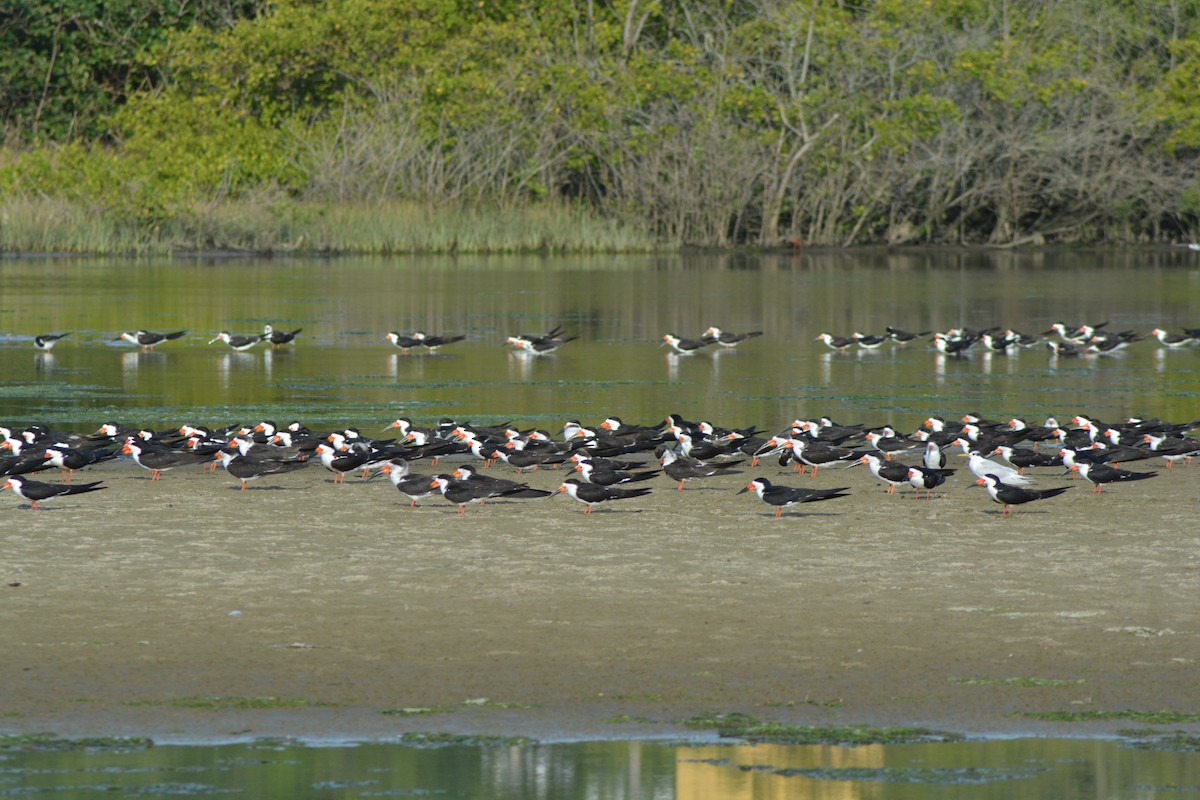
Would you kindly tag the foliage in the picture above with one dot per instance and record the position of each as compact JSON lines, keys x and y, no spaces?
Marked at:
{"x":714,"y":123}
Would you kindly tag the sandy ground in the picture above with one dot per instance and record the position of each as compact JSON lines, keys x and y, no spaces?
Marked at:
{"x":529,"y":618}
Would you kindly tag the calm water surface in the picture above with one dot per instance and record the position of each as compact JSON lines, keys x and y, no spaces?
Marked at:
{"x":1063,"y":770}
{"x":340,"y":372}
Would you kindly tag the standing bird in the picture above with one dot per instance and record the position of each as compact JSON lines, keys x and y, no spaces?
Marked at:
{"x":892,"y":473}
{"x":37,"y":492}
{"x":783,"y":496}
{"x":1009,"y":496}
{"x":1100,"y":474}
{"x":591,"y":493}
{"x":247,"y":468}
{"x":147,"y":340}
{"x":158,"y":459}
{"x":46,"y":341}
{"x":682,"y":468}
{"x":279,"y":338}
{"x":924,"y":478}
{"x":432,"y":343}
{"x":835,"y":342}
{"x":685,"y":347}
{"x":726,"y":339}
{"x":238,"y":342}
{"x":413,"y":486}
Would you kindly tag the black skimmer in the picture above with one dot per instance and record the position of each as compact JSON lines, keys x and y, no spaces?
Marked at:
{"x":69,"y":459}
{"x":685,"y":347}
{"x":37,"y":492}
{"x":869,"y":341}
{"x":1066,"y":349}
{"x":405,"y":343}
{"x":591,"y":493}
{"x":783,"y":496}
{"x":540,"y":344}
{"x":46,"y":341}
{"x":237,"y":342}
{"x":499,"y":486}
{"x":1009,"y":496}
{"x":1172,"y":449}
{"x":279,"y":338}
{"x":339,"y":462}
{"x":888,"y":443}
{"x":1172,"y":339}
{"x":431,"y":343}
{"x":933,"y":458}
{"x":726,"y":339}
{"x":413,"y":486}
{"x":904,"y":337}
{"x":147,"y":340}
{"x":817,"y":454}
{"x":462,"y":493}
{"x":891,"y":473}
{"x":247,"y":468}
{"x":158,"y":458}
{"x":606,"y":476}
{"x":924,"y":478}
{"x":835,"y":342}
{"x":1100,"y":474}
{"x":1024,"y":458}
{"x":952,"y":347}
{"x":683,"y":469}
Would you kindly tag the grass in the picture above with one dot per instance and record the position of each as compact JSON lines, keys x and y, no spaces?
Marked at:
{"x":449,"y":739}
{"x":743,"y":726}
{"x":478,"y":702}
{"x":1017,"y":681}
{"x":227,"y":703}
{"x":1143,"y":717}
{"x":44,"y":742}
{"x":276,"y":224}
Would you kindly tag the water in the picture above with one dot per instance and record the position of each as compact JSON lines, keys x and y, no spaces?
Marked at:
{"x":340,"y":372}
{"x":1062,"y":769}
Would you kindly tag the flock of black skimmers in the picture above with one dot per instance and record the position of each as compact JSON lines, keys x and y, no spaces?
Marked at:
{"x":1061,"y":339}
{"x":539,"y":344}
{"x":617,"y":461}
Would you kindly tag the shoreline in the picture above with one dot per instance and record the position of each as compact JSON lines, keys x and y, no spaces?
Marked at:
{"x":529,"y":619}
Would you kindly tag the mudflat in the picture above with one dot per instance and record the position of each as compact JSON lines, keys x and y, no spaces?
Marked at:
{"x":184,"y":609}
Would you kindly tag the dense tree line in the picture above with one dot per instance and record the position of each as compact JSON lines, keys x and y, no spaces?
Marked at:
{"x":713,"y":122}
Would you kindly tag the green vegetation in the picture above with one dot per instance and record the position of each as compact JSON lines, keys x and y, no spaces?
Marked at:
{"x":1144,"y":717}
{"x":225,"y":703}
{"x":555,"y":125}
{"x":743,"y":726}
{"x":446,"y":739}
{"x":53,"y":742}
{"x":1178,"y":741}
{"x":1017,"y":681}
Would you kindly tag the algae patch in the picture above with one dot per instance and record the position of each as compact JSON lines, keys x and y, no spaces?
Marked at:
{"x":743,"y":726}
